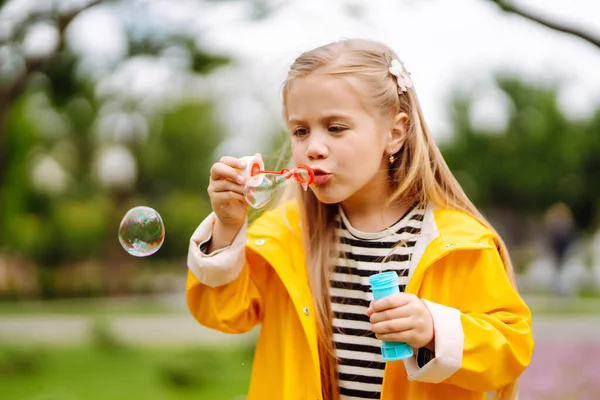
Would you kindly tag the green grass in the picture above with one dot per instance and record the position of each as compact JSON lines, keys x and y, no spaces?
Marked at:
{"x":88,"y":307}
{"x":96,"y":373}
{"x":567,"y":305}
{"x":589,"y":294}
{"x":585,"y":304}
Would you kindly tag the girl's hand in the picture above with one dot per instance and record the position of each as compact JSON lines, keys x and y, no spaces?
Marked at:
{"x":226,"y":193}
{"x":402,"y":317}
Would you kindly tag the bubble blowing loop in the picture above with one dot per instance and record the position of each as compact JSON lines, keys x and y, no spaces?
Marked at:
{"x":263,"y":185}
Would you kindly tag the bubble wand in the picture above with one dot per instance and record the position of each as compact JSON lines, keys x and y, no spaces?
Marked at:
{"x":261,"y":184}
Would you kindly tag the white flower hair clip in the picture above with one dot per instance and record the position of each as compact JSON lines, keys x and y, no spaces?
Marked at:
{"x":402,"y":76}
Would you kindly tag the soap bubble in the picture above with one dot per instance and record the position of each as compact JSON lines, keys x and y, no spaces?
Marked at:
{"x":261,"y":188}
{"x":141,"y":232}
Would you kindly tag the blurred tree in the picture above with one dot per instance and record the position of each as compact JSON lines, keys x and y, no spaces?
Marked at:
{"x":512,"y":8}
{"x":539,"y":158}
{"x":19,"y":67}
{"x":82,"y":139}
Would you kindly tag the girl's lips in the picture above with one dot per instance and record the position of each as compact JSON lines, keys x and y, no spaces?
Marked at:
{"x":321,"y":178}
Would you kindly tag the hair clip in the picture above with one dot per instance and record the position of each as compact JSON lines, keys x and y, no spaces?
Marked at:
{"x":402,"y":76}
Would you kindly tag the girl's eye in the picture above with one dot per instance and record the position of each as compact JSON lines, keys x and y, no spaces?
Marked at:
{"x":300,"y":132}
{"x":336,"y":128}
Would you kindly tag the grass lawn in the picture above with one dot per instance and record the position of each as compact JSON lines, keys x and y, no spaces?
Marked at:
{"x":586,"y":303}
{"x":90,"y":307}
{"x":108,"y":371}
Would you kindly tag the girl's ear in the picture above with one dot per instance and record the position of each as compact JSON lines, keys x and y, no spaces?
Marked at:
{"x":397,"y":134}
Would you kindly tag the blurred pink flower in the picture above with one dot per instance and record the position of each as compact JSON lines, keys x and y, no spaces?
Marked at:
{"x":561,"y":371}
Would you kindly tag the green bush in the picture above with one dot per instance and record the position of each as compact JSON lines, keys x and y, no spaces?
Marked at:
{"x":20,"y":361}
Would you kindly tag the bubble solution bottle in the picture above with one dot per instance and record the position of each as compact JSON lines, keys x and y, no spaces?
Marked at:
{"x":382,"y":285}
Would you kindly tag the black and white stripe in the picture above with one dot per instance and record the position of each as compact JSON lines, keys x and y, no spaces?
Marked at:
{"x":361,"y":254}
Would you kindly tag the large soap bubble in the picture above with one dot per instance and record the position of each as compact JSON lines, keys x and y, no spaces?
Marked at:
{"x":142,"y":231}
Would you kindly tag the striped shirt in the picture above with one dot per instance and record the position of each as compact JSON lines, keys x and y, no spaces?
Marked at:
{"x":360,"y":365}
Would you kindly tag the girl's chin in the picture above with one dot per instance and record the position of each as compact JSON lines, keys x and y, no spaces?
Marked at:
{"x":326,"y":196}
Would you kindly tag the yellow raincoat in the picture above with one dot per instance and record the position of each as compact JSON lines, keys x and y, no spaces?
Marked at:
{"x":483,"y":337}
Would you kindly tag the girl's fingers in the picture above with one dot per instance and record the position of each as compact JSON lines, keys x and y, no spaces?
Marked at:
{"x":228,"y":196}
{"x":220,"y":171}
{"x":407,"y":336}
{"x":223,"y":185}
{"x":393,"y":326}
{"x":390,"y":314}
{"x":233,"y":162}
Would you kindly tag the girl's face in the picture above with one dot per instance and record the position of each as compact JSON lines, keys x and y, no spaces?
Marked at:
{"x":343,"y":138}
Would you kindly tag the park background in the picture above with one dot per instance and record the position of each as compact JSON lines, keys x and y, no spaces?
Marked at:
{"x":110,"y":104}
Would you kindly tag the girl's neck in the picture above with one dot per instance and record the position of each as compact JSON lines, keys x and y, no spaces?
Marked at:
{"x":367,"y":209}
{"x":372,"y":217}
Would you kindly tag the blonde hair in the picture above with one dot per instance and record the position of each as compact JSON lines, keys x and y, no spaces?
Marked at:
{"x":419,"y":174}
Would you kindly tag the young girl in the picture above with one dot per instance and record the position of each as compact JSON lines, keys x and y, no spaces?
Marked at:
{"x":383,"y":200}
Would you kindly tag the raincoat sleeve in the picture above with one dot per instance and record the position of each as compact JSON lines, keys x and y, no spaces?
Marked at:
{"x":222,"y":291}
{"x":483,"y":337}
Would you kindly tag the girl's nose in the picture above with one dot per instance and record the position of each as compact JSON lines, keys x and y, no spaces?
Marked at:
{"x":316,"y":150}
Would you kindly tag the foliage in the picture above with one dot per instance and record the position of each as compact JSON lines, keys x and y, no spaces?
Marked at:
{"x":62,"y":119}
{"x":103,"y":338}
{"x":540,"y":158}
{"x":19,"y":361}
